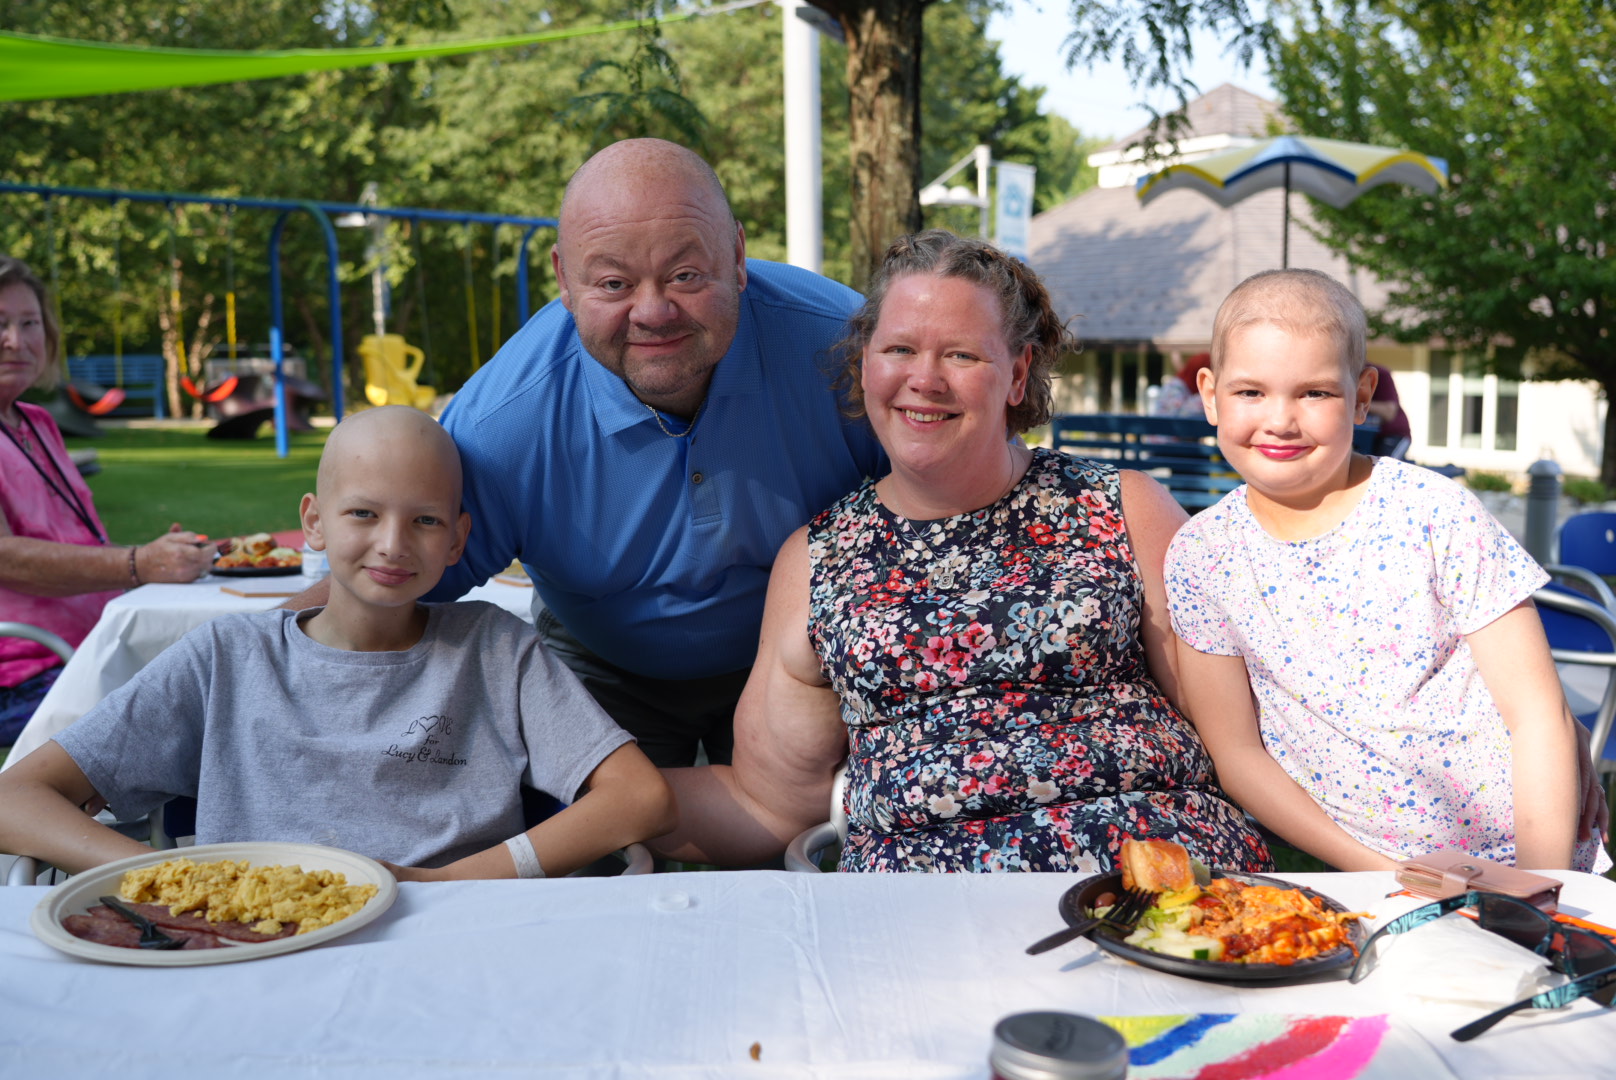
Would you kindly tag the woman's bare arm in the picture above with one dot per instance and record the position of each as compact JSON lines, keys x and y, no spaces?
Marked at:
{"x":789,"y":740}
{"x":48,"y":568}
{"x":1152,"y":516}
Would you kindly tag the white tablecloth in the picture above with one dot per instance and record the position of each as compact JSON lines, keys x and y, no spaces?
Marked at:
{"x":141,"y":623}
{"x":679,"y":975}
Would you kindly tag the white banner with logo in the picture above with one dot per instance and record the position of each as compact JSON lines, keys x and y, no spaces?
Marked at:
{"x":1014,"y":207}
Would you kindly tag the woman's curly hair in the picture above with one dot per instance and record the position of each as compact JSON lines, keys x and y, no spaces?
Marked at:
{"x":1028,"y":317}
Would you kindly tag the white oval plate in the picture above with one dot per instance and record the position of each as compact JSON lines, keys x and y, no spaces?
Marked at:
{"x":79,"y":894}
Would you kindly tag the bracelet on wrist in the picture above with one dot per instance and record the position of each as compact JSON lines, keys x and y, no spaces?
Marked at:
{"x":134,"y":570}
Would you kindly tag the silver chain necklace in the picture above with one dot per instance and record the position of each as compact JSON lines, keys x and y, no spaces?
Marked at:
{"x":687,"y":432}
{"x":937,"y":570}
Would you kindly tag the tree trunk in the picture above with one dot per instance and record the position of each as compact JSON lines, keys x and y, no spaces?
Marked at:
{"x":883,"y":85}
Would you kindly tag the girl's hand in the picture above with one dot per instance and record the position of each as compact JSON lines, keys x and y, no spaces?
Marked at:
{"x":1594,"y":817}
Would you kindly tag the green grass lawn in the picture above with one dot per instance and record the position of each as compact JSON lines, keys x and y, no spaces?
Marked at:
{"x":153,"y":477}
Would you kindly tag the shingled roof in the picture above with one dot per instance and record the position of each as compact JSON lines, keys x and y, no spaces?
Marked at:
{"x":1226,"y":110}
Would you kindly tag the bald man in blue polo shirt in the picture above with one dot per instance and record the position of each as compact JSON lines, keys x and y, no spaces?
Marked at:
{"x":646,"y":443}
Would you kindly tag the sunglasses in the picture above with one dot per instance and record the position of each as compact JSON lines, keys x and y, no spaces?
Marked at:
{"x":1570,"y":951}
{"x":1599,"y":985}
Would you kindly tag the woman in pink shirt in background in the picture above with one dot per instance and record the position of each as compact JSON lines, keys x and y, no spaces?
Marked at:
{"x":57,"y":566}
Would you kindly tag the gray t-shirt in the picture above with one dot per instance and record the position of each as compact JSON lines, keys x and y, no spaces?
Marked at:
{"x":415,"y":757}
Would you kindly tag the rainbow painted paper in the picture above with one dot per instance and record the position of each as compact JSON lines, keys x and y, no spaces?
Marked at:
{"x":1272,"y":1046}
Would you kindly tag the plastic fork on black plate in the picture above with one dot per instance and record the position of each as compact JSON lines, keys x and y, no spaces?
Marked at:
{"x":1123,"y":915}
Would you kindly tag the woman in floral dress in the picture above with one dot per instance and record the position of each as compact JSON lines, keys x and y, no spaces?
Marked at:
{"x":981,"y":634}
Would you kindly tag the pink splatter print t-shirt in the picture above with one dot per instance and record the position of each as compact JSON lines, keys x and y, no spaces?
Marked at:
{"x":1366,"y":690}
{"x":33,"y":509}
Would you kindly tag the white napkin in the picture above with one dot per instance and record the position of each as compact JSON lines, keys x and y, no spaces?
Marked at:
{"x":1454,"y":961}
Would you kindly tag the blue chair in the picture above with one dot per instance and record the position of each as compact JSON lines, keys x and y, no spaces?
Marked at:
{"x":1589,"y":541}
{"x":1580,"y":624}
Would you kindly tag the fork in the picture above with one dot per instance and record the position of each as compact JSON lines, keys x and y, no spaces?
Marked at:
{"x":1122,"y":915}
{"x":150,"y":936}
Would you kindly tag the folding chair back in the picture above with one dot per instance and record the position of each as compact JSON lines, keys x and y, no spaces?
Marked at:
{"x":1589,"y":541}
{"x":1582,"y":634}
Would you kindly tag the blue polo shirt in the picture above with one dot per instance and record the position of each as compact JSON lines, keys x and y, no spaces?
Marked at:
{"x":655,"y":552}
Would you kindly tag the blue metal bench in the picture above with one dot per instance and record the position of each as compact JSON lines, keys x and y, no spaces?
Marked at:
{"x":142,"y":381}
{"x":1180,"y":453}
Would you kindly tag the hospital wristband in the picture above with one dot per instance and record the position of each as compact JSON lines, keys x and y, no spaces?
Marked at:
{"x":525,"y":858}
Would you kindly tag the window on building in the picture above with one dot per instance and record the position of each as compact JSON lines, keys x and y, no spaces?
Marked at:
{"x":1441,"y":369}
{"x":1128,"y":363}
{"x":1105,"y":361}
{"x":1473,"y":389}
{"x":1509,"y":411}
{"x":1475,"y":412}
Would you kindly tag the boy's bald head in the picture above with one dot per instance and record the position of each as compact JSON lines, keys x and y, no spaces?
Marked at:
{"x":386,"y":511}
{"x":395,"y":434}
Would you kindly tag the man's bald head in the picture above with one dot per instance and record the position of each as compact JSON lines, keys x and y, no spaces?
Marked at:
{"x":650,"y":165}
{"x":396,"y":442}
{"x":651,"y":264}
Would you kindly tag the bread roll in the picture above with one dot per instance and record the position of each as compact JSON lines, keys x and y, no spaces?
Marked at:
{"x":1155,"y":866}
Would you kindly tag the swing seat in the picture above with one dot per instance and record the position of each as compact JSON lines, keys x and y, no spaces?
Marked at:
{"x":215,"y":393}
{"x":93,"y":399}
{"x":392,"y":367}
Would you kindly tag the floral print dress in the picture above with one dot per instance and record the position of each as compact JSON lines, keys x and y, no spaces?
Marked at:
{"x":999,"y":709}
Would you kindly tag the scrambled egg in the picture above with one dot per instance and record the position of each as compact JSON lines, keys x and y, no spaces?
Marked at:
{"x":264,"y":896}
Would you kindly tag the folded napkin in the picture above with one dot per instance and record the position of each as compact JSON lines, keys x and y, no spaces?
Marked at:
{"x":1455,"y":961}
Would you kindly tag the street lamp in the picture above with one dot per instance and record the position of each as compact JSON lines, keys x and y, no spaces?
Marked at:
{"x":938,"y":193}
{"x":369,"y":195}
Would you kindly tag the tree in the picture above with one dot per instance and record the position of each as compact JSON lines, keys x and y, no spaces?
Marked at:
{"x":883,"y":90}
{"x":884,"y":47}
{"x":1514,"y":263}
{"x":497,"y":131}
{"x":732,"y":67}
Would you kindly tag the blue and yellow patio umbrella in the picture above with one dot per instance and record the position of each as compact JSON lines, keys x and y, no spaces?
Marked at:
{"x":1333,"y":171}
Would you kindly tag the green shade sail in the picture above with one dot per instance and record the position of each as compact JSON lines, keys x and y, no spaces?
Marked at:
{"x":34,"y":68}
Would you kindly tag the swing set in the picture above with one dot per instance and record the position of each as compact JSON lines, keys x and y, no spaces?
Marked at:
{"x":322,"y":213}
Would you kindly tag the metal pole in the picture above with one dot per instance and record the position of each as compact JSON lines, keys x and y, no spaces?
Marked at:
{"x":334,"y":290}
{"x":521,"y":274}
{"x":804,"y":175}
{"x":1285,"y":232}
{"x":277,"y":348}
{"x":984,"y":162}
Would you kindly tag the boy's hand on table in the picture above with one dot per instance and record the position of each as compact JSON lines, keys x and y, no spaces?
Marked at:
{"x":414,"y":873}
